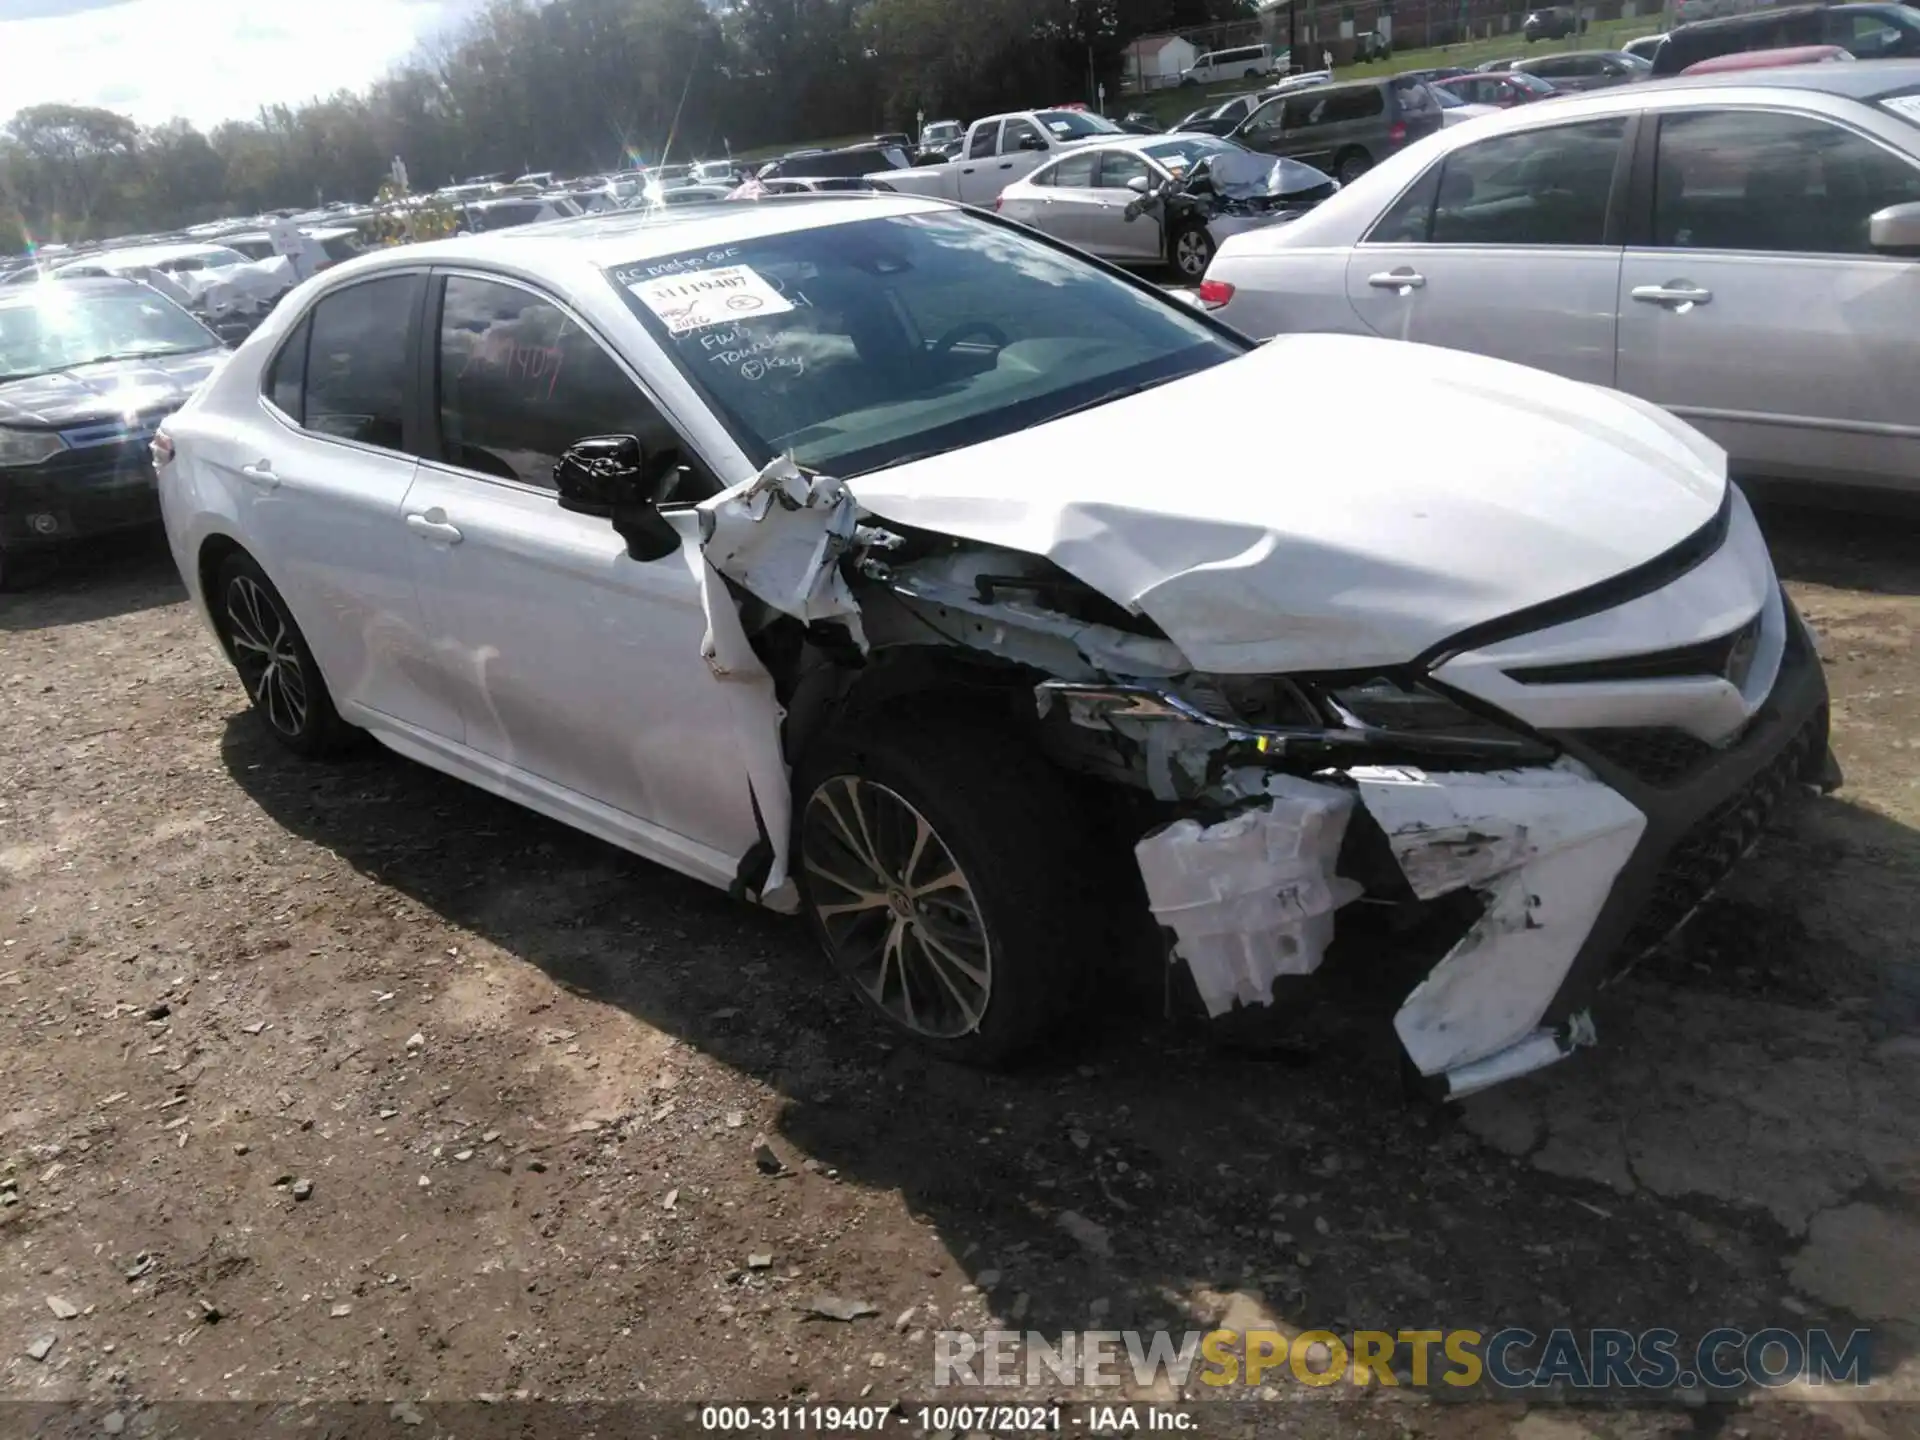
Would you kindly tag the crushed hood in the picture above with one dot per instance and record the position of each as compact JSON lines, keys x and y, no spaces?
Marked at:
{"x":1328,"y":501}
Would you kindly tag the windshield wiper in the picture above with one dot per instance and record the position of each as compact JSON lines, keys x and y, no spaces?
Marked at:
{"x":131,"y":355}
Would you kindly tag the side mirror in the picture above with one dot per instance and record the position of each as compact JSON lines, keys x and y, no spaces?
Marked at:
{"x":1140,"y":185}
{"x":1032,"y":142}
{"x":1896,"y":229}
{"x":609,"y":476}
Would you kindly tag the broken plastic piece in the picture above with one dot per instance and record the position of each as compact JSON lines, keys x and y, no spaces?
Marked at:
{"x":1251,"y":898}
{"x":780,"y":537}
{"x":1546,"y":846}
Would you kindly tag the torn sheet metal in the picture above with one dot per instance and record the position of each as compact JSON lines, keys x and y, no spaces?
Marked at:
{"x":1251,"y":898}
{"x":1545,"y":845}
{"x":780,"y":537}
{"x":754,"y":708}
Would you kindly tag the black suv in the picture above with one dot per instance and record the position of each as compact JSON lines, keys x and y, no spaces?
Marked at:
{"x":1867,"y":32}
{"x":1556,"y":22}
{"x":1346,"y":129}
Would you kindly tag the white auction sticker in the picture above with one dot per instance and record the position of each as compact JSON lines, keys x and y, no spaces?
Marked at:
{"x":710,"y":297}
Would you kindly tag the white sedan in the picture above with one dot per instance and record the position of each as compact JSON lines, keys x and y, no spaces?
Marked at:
{"x":1089,"y":198}
{"x":870,"y":558}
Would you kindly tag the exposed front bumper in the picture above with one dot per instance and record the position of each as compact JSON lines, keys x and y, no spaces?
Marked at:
{"x":77,"y":496}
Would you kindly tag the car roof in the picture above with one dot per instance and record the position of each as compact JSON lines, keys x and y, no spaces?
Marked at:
{"x":14,"y":297}
{"x":1864,"y":80}
{"x":623,"y":237}
{"x":1749,"y":17}
{"x":153,"y":254}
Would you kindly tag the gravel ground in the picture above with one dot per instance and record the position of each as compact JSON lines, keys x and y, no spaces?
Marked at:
{"x":343,"y":1081}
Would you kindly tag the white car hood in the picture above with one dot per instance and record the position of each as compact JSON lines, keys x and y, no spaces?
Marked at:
{"x":1328,"y":501}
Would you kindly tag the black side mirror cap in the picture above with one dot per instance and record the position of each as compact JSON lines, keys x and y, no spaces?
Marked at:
{"x":609,"y":476}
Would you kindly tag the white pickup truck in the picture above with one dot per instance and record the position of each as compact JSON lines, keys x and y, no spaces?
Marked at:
{"x":998,"y":151}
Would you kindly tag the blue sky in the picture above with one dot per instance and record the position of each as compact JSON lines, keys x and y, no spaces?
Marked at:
{"x":206,"y":60}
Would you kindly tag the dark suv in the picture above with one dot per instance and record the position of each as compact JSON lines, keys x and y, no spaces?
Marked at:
{"x":1343,"y":130}
{"x":1556,"y":22}
{"x":1867,"y":32}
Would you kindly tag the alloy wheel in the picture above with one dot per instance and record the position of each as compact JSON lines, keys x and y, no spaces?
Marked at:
{"x":1191,"y":253}
{"x":900,"y":916}
{"x":266,"y":656}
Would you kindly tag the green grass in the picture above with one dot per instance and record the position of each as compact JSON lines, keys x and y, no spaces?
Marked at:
{"x":1170,"y":105}
{"x":1167,"y":106}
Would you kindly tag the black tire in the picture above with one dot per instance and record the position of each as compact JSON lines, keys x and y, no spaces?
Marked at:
{"x":1190,"y":250}
{"x":1351,"y":165}
{"x":1028,"y":870}
{"x":276,"y":668}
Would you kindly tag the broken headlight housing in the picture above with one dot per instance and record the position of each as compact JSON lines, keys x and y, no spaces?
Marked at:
{"x":1373,"y":712}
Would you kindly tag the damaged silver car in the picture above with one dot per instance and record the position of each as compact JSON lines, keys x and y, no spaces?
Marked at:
{"x":858,"y":555}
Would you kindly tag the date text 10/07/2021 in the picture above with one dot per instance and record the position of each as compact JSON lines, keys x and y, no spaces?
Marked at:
{"x":945,"y":1419}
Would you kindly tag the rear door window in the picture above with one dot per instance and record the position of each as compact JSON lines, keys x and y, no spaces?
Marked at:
{"x":359,"y":362}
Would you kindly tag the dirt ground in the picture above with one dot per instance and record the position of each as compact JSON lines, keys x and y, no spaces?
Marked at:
{"x":519,"y":1078}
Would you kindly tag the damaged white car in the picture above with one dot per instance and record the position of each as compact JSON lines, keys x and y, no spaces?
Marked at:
{"x":869,"y":557}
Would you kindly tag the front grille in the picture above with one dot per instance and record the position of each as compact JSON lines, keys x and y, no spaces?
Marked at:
{"x":1725,"y":657}
{"x":1659,"y":756}
{"x":1704,"y":855}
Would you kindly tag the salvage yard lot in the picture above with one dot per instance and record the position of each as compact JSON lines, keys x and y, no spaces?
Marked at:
{"x":524,"y":1076}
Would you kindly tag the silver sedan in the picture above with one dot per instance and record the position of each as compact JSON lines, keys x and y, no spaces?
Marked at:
{"x":1741,"y":249}
{"x":1083,"y":199}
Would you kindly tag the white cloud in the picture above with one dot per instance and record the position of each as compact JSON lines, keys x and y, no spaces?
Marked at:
{"x":206,"y":60}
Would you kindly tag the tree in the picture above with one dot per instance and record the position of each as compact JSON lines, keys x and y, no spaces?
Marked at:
{"x":69,"y":151}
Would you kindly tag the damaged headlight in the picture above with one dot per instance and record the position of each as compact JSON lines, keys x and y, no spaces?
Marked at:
{"x":1418,"y":711}
{"x":1368,"y":710}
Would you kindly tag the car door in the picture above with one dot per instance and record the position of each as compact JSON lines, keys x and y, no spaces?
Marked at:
{"x":1265,"y":129}
{"x":981,"y":162}
{"x":1752,"y":306}
{"x":322,"y":470}
{"x":1067,"y":202}
{"x":579,"y":668}
{"x":1109,"y":231}
{"x":1508,"y":247}
{"x":1309,"y":126}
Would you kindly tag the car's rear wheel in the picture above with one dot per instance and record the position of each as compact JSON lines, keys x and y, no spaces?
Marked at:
{"x":1352,"y":165}
{"x":1190,"y":249}
{"x":271,"y":657}
{"x":950,"y":880}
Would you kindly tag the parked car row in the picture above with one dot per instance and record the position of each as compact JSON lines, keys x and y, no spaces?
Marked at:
{"x":1742,"y":249}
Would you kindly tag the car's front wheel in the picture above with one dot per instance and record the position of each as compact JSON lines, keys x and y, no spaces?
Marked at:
{"x":951,"y":881}
{"x":1190,"y":249}
{"x":274,"y":664}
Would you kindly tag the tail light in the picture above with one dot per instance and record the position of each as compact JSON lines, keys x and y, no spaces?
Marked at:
{"x":1212,"y":294}
{"x":996,"y":204}
{"x":1397,"y":133}
{"x":161,"y":448}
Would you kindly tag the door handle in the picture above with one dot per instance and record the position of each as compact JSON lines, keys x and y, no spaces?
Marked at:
{"x":435,"y":529}
{"x":1678,"y":295}
{"x":1006,"y":164}
{"x":966,"y":169}
{"x":1401,"y":280}
{"x":261,"y":474}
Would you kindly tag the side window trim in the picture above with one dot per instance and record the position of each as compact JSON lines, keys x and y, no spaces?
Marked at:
{"x":409,"y":417}
{"x":1647,"y":159}
{"x":430,"y":369}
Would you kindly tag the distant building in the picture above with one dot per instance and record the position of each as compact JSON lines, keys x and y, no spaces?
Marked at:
{"x":1154,"y":62}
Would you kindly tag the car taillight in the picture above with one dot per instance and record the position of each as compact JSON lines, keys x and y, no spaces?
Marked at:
{"x":1212,"y":294}
{"x":996,"y":204}
{"x":1397,"y":133}
{"x":161,"y":448}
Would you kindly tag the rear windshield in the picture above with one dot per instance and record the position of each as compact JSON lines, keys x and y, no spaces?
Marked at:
{"x":862,"y":344}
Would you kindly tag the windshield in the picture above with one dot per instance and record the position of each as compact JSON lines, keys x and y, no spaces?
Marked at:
{"x":942,"y":130}
{"x":59,"y":329}
{"x":1635,"y":62}
{"x":885,"y":338}
{"x":1073,"y":124}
